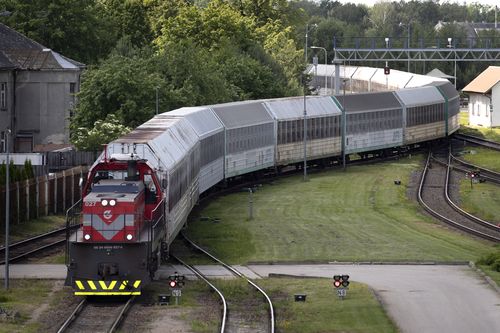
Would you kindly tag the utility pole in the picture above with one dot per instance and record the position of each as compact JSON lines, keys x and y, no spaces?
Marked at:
{"x":7,"y":207}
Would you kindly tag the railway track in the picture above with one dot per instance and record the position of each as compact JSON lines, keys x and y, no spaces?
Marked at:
{"x":478,"y":141}
{"x":433,"y":195}
{"x":103,"y":316}
{"x":34,"y":245}
{"x":487,"y":174}
{"x":232,"y":316}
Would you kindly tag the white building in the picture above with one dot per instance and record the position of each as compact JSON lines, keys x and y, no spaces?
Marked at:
{"x":484,"y":98}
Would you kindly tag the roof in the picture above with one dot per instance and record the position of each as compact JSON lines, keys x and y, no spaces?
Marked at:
{"x":293,"y":107}
{"x":19,"y":51}
{"x":485,"y":81}
{"x":437,"y":73}
{"x":202,"y":119}
{"x":419,"y":96}
{"x":245,"y":113}
{"x":368,"y":102}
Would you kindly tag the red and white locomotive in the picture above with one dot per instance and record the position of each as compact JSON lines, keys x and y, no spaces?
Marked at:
{"x":119,"y":208}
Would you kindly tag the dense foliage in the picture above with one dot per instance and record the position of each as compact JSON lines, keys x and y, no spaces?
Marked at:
{"x":192,"y":52}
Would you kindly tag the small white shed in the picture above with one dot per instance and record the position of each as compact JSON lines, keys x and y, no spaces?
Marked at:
{"x":484,"y":98}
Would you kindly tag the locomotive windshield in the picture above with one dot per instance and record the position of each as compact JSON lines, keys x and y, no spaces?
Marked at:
{"x":121,"y":188}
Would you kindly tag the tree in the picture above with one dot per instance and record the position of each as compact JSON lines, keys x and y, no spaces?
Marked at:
{"x":103,"y":131}
{"x":70,"y":27}
{"x":129,"y":18}
{"x":121,"y":85}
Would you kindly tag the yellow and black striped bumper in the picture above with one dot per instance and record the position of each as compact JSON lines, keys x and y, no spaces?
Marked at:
{"x":107,"y":288}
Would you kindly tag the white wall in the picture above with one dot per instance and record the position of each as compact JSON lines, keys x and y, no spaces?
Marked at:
{"x":479,"y":110}
{"x":495,"y":98}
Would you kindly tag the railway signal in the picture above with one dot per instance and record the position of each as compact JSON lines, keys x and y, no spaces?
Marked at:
{"x":345,"y":281}
{"x":176,"y":281}
{"x":341,"y":282}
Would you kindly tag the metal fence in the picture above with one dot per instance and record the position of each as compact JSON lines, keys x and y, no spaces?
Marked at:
{"x":42,"y":196}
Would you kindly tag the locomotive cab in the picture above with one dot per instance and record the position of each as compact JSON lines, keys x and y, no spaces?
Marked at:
{"x":110,"y":254}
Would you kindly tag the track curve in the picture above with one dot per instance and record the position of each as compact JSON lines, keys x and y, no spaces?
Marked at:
{"x":434,"y":181}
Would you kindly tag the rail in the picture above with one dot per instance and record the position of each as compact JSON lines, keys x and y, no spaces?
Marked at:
{"x":121,"y":315}
{"x":239,"y":274}
{"x":72,"y":316}
{"x":221,"y":296}
{"x":460,"y":210}
{"x":488,"y":174}
{"x":443,"y":218}
{"x":477,"y":140}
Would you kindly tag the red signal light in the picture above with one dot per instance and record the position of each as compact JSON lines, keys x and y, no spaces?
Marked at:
{"x":172,"y":284}
{"x":336,"y":284}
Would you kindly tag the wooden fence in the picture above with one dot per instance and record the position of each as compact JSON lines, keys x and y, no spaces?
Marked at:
{"x":45,"y":195}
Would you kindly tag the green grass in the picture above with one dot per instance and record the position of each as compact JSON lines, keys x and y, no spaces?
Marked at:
{"x":482,"y":157}
{"x":357,"y":215}
{"x":33,"y":227}
{"x":487,"y":133}
{"x":23,"y":297}
{"x":323,"y":311}
{"x":482,"y":200}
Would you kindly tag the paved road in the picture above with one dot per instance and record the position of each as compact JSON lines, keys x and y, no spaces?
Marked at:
{"x":419,"y":298}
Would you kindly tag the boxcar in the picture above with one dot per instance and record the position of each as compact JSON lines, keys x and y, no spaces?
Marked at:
{"x":249,"y":137}
{"x":323,"y":128}
{"x":210,"y":133}
{"x":373,"y":121}
{"x":424,"y":110}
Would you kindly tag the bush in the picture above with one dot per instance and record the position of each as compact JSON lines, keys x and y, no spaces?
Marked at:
{"x":492,"y":260}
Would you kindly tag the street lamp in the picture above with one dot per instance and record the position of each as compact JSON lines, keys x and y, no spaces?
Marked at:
{"x":401,"y":24}
{"x":305,"y":102}
{"x":326,"y":71}
{"x":344,"y":119}
{"x":7,"y":206}
{"x":455,"y":59}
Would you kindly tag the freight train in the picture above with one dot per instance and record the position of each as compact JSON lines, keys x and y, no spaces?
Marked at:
{"x":140,"y":191}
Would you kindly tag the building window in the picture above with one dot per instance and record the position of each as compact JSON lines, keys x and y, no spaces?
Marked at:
{"x":3,"y":96}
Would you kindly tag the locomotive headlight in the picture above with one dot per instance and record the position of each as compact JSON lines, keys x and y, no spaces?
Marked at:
{"x":129,"y":237}
{"x":112,"y":202}
{"x":87,"y":236}
{"x":104,"y":202}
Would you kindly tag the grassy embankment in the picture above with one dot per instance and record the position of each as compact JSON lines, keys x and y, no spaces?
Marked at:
{"x":35,"y":227}
{"x":357,"y":215}
{"x":487,"y":133}
{"x":484,"y":199}
{"x":20,"y":303}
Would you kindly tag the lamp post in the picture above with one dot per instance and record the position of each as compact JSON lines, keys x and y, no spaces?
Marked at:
{"x":387,"y":64}
{"x":305,"y":103}
{"x":344,"y":119}
{"x":455,"y":59}
{"x":401,"y":24}
{"x":7,"y":206}
{"x":326,"y":58}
